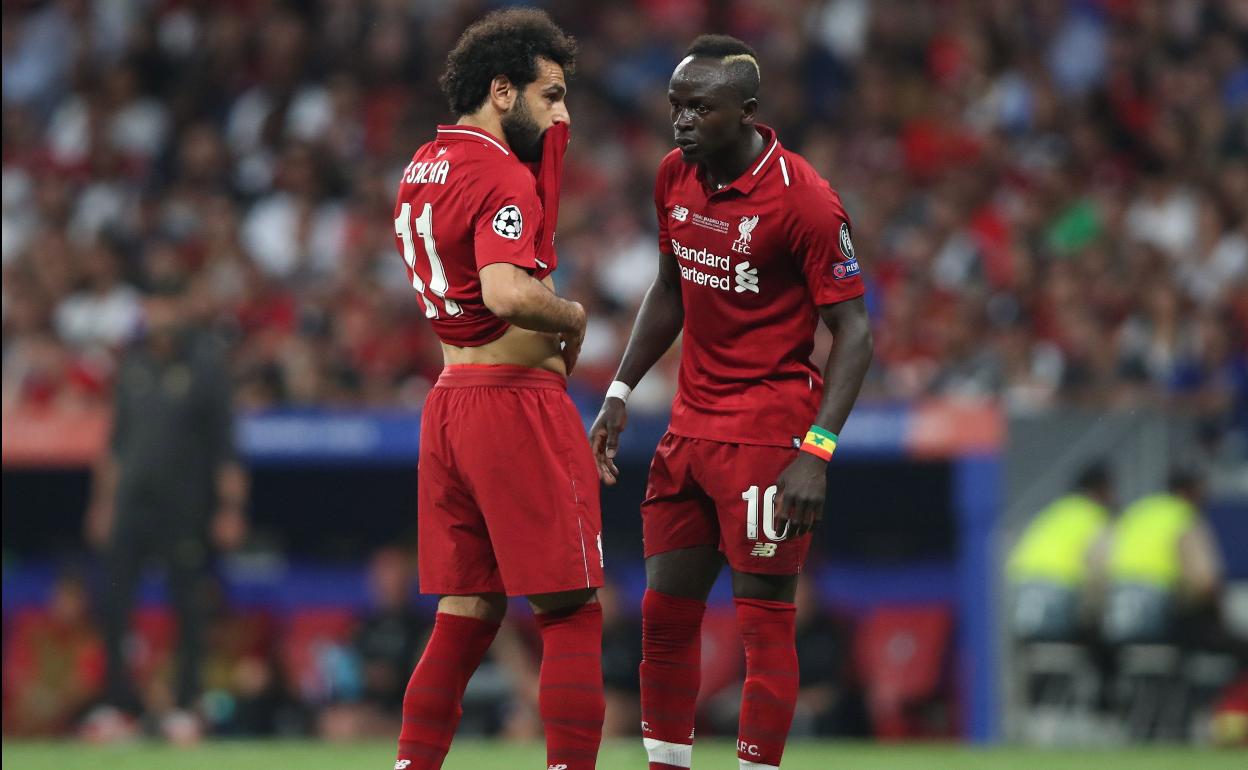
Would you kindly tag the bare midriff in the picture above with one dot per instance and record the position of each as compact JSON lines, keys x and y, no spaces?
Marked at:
{"x":517,"y":347}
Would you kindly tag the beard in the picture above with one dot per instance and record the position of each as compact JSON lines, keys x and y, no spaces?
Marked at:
{"x":522,"y":132}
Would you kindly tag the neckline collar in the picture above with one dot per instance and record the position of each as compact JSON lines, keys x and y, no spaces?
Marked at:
{"x":462,"y":133}
{"x":754,"y":173}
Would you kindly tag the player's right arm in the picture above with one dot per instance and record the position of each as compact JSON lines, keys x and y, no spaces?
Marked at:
{"x":521,"y":300}
{"x":518,"y":298}
{"x":659,"y":321}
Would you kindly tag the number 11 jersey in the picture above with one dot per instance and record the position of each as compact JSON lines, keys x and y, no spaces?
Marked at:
{"x":465,"y":201}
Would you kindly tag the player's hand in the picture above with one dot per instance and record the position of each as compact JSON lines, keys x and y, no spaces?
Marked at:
{"x":604,"y":437}
{"x":570,"y":342}
{"x":229,"y":528}
{"x":801,"y":490}
{"x":97,"y":527}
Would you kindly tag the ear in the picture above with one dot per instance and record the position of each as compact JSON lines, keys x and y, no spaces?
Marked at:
{"x":503,"y":94}
{"x":749,"y":109}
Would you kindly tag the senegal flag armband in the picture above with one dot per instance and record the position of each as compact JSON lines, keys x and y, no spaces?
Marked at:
{"x":819,"y":442}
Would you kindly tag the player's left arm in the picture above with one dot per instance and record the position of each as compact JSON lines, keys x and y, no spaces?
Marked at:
{"x":802,"y":486}
{"x":819,"y":232}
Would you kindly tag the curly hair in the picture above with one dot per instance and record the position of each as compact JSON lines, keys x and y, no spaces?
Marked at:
{"x":508,"y":43}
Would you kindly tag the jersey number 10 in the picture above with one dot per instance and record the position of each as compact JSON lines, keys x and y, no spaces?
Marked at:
{"x":437,"y":274}
{"x":750,"y":496}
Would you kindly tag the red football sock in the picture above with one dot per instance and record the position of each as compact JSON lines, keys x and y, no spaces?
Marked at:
{"x":432,"y":704}
{"x":771,"y":681}
{"x":570,"y":688}
{"x":671,"y":670}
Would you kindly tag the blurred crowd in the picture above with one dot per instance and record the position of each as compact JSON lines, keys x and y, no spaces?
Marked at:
{"x":1051,"y":198}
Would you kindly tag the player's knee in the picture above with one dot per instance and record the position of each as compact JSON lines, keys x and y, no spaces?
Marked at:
{"x":563,"y":600}
{"x":489,"y":607}
{"x":772,"y":588}
{"x":687,"y":573}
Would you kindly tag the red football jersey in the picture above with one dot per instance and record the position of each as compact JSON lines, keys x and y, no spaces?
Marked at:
{"x":757,"y":258}
{"x":465,"y":201}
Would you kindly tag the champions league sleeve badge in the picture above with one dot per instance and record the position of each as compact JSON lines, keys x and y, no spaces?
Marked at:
{"x":508,"y":222}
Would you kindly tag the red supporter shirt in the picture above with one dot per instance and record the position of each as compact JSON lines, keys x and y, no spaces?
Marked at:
{"x":465,"y":201}
{"x":757,"y":258}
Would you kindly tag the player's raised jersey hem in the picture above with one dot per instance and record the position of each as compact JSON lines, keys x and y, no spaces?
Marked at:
{"x":730,"y":438}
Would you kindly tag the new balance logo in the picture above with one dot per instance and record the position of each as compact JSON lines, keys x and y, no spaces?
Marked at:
{"x":766,"y":550}
{"x":402,"y":764}
{"x":747,"y":278}
{"x":680,"y":213}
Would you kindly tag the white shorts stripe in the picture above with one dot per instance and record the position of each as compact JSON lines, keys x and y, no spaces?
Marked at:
{"x":584,"y":559}
{"x":678,"y":754}
{"x":748,"y":765}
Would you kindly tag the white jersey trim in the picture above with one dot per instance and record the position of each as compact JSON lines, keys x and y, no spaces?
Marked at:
{"x":785,"y":171}
{"x":478,"y":134}
{"x":763,"y":162}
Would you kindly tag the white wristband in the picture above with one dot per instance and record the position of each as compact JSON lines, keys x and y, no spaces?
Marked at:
{"x":619,"y":390}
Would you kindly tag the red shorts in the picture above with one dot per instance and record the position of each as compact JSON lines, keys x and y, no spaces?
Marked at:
{"x":709,"y":493}
{"x":508,"y":488}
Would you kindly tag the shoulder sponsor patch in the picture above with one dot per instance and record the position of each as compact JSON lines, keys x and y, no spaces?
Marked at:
{"x":847,"y":246}
{"x":508,"y":222}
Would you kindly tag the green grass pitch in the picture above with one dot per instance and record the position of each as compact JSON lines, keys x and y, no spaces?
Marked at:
{"x":708,"y":755}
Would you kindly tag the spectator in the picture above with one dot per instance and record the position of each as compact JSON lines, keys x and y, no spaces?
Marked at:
{"x":1164,"y":569}
{"x":1049,"y":568}
{"x":386,"y":647}
{"x":621,"y":657}
{"x":244,"y":691}
{"x":828,"y":702}
{"x":53,"y":664}
{"x":105,"y":313}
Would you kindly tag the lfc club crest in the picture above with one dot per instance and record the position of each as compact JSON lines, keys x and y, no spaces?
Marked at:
{"x":745,"y":231}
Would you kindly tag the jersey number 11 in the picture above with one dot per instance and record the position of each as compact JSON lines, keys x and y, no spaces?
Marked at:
{"x":437,"y":274}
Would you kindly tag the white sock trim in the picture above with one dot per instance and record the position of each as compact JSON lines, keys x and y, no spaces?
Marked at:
{"x":678,"y":754}
{"x":748,"y":765}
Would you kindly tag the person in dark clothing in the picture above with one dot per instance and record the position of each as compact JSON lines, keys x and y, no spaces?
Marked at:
{"x":621,"y":656}
{"x":391,"y":638}
{"x":387,"y":644}
{"x":168,"y":490}
{"x":828,"y":702}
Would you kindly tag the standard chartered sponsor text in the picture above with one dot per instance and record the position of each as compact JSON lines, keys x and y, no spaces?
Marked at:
{"x":701,"y":257}
{"x":694,"y":275}
{"x":704,"y":258}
